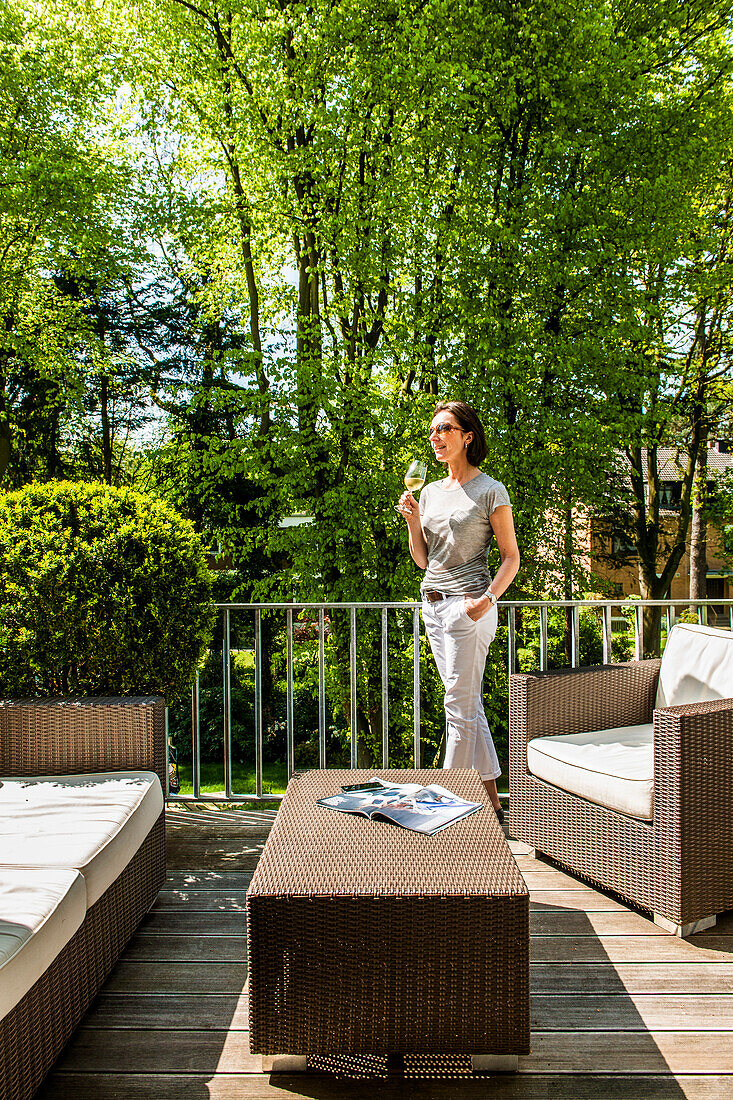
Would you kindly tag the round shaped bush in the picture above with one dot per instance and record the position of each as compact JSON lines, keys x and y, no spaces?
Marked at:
{"x":103,"y":592}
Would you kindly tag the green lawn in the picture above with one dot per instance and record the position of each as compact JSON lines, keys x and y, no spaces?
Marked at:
{"x":274,"y":779}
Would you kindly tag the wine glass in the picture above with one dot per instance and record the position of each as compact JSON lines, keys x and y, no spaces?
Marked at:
{"x":414,"y":480}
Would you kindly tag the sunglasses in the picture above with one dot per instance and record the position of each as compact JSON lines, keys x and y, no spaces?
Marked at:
{"x":443,"y":429}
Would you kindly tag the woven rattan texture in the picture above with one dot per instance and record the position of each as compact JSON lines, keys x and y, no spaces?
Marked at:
{"x":365,"y":938}
{"x":36,"y":1030}
{"x":73,"y":736}
{"x":311,"y":849}
{"x":681,"y":864}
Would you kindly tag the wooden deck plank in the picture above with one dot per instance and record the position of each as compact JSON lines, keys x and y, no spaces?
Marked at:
{"x":140,"y":1086}
{"x":552,"y":879}
{"x":199,"y":853}
{"x":194,"y":922}
{"x":160,"y":977}
{"x":662,"y":978}
{"x":206,"y":878}
{"x":227,"y":1051}
{"x":626,"y":949}
{"x":609,"y":1011}
{"x":173,"y":949}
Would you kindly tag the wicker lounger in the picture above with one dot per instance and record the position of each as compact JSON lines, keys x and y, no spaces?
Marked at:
{"x":365,"y":938}
{"x":53,"y":737}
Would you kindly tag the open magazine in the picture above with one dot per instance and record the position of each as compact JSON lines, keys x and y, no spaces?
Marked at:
{"x":422,"y":809}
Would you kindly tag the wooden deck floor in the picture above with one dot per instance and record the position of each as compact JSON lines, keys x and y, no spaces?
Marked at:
{"x":619,"y":1008}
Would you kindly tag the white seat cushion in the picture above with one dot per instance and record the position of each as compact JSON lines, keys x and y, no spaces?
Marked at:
{"x":40,"y":910}
{"x":91,"y":823}
{"x":697,"y":666}
{"x":614,"y":767}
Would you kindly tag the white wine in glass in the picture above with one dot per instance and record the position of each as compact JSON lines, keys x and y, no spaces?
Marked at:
{"x":414,"y":479}
{"x":415,"y":476}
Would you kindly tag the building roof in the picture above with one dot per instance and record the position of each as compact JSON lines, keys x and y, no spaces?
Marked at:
{"x":668,"y":460}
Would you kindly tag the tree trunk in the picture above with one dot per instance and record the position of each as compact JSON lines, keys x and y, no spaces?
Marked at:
{"x":651,"y":617}
{"x":106,"y":431}
{"x":698,"y":531}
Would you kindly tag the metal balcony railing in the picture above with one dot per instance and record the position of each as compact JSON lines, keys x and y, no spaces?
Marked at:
{"x":627,"y":612}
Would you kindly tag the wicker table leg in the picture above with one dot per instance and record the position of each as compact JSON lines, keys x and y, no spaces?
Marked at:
{"x":494,"y":1063}
{"x":284,"y":1063}
{"x":683,"y":930}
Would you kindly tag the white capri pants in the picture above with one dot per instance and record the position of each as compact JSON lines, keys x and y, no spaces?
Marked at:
{"x":460,"y":646}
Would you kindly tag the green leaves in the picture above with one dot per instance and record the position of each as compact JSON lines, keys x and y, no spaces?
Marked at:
{"x":102,"y":591}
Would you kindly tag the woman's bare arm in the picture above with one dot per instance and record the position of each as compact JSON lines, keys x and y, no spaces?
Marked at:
{"x":410,"y":512}
{"x":502,"y":522}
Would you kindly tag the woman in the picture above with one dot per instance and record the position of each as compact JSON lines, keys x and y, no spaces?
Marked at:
{"x":449,"y":534}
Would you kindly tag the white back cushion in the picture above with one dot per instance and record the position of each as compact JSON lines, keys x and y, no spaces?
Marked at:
{"x":697,"y":666}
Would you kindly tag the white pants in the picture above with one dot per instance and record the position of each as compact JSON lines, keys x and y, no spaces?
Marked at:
{"x":460,"y":646}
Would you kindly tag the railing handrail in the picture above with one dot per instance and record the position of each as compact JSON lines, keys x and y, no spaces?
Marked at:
{"x":395,"y":604}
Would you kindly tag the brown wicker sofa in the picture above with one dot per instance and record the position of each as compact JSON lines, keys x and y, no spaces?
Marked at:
{"x":676,"y":860}
{"x":114,"y":744}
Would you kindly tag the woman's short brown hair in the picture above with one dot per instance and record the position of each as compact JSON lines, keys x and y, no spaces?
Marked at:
{"x":469,"y":422}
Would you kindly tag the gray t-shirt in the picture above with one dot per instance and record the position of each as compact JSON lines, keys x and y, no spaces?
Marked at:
{"x":457,"y":527}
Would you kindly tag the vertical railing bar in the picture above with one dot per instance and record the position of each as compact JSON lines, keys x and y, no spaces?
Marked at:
{"x":321,"y":689}
{"x":512,"y":639}
{"x":575,"y":636}
{"x":417,"y":752}
{"x":196,"y":735}
{"x":638,"y":647}
{"x":258,"y":703}
{"x":352,"y":688}
{"x":289,"y":715}
{"x":543,"y":638}
{"x":385,"y":691}
{"x":167,"y":759}
{"x":227,"y":685}
{"x":607,"y":639}
{"x":670,"y":614}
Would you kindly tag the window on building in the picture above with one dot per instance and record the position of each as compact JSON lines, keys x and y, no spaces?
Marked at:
{"x":670,"y":494}
{"x":621,"y":546}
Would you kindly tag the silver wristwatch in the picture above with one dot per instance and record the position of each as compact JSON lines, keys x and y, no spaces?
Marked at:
{"x":493,"y":598}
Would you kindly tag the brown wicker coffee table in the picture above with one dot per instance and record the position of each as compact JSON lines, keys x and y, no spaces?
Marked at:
{"x":365,"y":938}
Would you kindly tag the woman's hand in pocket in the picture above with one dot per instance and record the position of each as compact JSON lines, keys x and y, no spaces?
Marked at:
{"x":476,"y":609}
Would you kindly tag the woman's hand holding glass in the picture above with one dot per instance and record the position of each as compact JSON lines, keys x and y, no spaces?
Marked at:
{"x":407,"y":506}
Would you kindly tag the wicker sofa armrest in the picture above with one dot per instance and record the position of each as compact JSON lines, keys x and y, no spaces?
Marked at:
{"x":693,"y":760}
{"x":74,"y":736}
{"x":693,"y":805}
{"x":580,"y":699}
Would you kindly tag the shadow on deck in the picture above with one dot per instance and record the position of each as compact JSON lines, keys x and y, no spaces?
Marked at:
{"x":620,"y":1009}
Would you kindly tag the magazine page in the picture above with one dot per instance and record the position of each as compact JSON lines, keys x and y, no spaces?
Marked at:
{"x":363,"y":802}
{"x":428,"y":810}
{"x":422,"y":809}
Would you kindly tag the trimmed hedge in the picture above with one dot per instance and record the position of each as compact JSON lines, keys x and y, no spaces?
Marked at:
{"x":103,"y":591}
